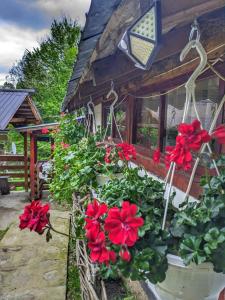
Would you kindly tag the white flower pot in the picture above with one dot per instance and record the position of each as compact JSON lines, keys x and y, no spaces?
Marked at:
{"x":103,"y":179}
{"x":193,"y":282}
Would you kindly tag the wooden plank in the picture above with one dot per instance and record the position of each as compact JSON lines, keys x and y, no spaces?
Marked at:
{"x":11,"y":158}
{"x":13,"y":175}
{"x":187,"y":14}
{"x":18,"y":120}
{"x":2,"y":168}
{"x":17,"y":184}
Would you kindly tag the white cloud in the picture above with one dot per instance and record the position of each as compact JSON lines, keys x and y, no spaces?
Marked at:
{"x":2,"y":78}
{"x":75,"y":9}
{"x":14,"y":41}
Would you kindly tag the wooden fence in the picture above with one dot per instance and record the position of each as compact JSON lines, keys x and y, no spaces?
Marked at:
{"x":17,"y":168}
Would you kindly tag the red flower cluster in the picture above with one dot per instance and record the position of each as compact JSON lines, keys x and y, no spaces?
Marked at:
{"x":45,"y":130}
{"x":120,"y":227}
{"x":35,"y":217}
{"x":107,"y":157}
{"x":126,"y":151}
{"x":219,"y":134}
{"x":65,"y":146}
{"x":122,"y":224}
{"x":94,"y":211}
{"x":156,"y":156}
{"x":190,"y":138}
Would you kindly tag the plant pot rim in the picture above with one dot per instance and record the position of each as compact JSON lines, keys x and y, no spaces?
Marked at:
{"x":177,"y":261}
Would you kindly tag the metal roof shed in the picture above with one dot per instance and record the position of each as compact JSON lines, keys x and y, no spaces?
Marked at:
{"x":17,"y":108}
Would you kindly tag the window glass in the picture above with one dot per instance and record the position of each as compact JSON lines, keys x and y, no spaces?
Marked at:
{"x":147,"y":127}
{"x":207,"y":100}
{"x":121,"y":124}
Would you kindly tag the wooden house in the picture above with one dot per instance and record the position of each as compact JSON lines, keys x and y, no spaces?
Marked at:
{"x":151,"y":102}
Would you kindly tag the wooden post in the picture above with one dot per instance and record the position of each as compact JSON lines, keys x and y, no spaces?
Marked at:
{"x":33,"y":150}
{"x":222,"y":295}
{"x":25,"y":162}
{"x":130,"y":120}
{"x":162,"y":125}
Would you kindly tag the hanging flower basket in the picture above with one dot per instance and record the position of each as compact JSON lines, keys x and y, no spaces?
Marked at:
{"x":190,"y":282}
{"x":102,"y":179}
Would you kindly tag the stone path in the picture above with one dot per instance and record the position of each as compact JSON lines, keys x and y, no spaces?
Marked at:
{"x":10,"y":207}
{"x":30,"y":268}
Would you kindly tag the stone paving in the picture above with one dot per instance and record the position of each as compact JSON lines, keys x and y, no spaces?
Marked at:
{"x":10,"y":207}
{"x":30,"y":268}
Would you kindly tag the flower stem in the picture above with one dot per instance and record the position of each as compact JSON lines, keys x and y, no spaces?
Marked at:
{"x":56,"y":231}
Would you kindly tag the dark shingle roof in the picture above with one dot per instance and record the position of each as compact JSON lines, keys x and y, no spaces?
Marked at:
{"x":97,"y":19}
{"x":10,"y":101}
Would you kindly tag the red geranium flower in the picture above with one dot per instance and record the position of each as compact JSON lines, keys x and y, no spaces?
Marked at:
{"x":107,"y":155}
{"x":99,"y":252}
{"x":122,"y":224}
{"x":180,"y":155}
{"x":94,"y":211}
{"x":35,"y":217}
{"x":126,"y":151}
{"x":125,"y":255}
{"x":192,"y":136}
{"x":45,"y":130}
{"x":219,"y":134}
{"x":156,"y":156}
{"x":65,"y":146}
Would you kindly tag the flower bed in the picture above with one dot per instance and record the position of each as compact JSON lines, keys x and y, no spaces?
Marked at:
{"x":130,"y":228}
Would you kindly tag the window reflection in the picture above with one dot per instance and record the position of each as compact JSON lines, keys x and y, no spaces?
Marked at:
{"x":120,"y":116}
{"x":147,"y":112}
{"x":207,"y":100}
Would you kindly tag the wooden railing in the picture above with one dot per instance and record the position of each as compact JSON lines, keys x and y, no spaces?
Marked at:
{"x":16,"y":167}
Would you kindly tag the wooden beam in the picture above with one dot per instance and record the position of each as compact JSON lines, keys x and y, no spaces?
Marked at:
{"x":26,"y":161}
{"x":187,"y":15}
{"x":34,"y":110}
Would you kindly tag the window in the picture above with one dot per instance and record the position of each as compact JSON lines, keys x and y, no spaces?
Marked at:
{"x":147,"y":122}
{"x":120,"y":128}
{"x":207,"y":100}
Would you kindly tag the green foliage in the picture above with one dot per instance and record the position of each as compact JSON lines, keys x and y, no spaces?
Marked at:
{"x":14,"y":137}
{"x":149,"y":253}
{"x":199,"y":227}
{"x":47,"y":68}
{"x":74,"y":166}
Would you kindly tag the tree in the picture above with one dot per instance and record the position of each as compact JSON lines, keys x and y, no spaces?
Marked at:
{"x":47,"y":68}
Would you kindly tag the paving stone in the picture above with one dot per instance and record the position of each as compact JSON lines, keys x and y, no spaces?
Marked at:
{"x":31,"y":268}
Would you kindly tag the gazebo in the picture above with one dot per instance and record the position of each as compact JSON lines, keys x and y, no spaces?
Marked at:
{"x":18,"y":109}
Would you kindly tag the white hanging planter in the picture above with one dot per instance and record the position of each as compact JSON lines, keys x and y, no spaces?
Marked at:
{"x":103,"y":179}
{"x":193,"y":282}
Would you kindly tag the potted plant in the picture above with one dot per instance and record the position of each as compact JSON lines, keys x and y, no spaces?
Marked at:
{"x":116,"y":158}
{"x":186,"y":259}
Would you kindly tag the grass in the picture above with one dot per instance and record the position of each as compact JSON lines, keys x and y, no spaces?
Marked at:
{"x":2,"y":233}
{"x":73,"y":281}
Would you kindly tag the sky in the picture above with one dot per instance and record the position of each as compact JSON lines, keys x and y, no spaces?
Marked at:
{"x":24,"y":23}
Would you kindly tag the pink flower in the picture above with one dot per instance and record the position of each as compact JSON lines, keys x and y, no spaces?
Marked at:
{"x":65,"y":146}
{"x":45,"y":130}
{"x":122,"y":224}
